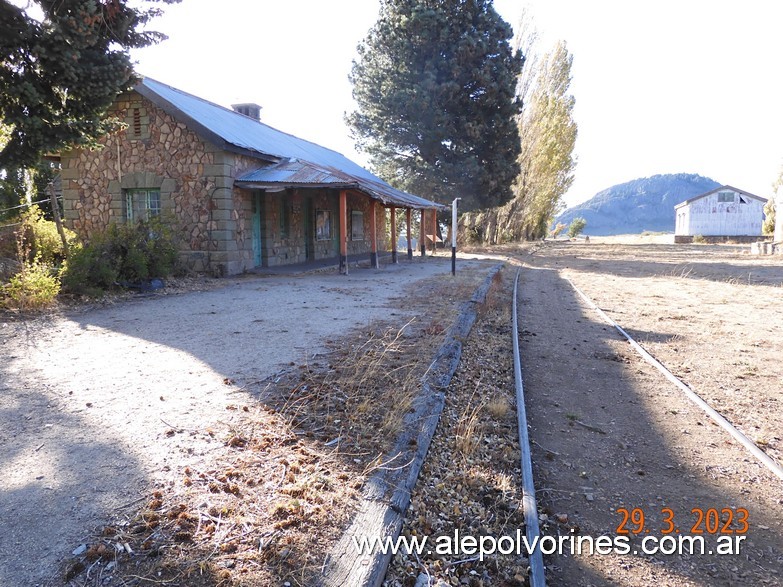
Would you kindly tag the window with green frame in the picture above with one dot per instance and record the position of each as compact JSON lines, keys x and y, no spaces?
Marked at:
{"x":141,"y":204}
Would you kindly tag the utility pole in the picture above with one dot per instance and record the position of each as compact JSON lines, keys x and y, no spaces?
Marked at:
{"x":454,"y":236}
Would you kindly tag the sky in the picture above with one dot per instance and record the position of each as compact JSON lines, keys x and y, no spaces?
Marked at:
{"x":671,"y":86}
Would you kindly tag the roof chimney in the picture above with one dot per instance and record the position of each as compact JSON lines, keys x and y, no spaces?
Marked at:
{"x":248,"y":109}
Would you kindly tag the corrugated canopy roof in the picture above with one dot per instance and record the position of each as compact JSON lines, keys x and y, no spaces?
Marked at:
{"x":296,"y":173}
{"x":294,"y":162}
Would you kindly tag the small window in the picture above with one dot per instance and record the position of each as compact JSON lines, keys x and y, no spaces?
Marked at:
{"x":323,"y":225}
{"x":141,"y":205}
{"x":285,"y":218}
{"x":357,"y":225}
{"x":726,"y":197}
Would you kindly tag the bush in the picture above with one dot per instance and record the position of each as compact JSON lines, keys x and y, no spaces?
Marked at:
{"x":576,"y":227}
{"x":33,"y":288}
{"x":42,"y":240}
{"x":557,"y":230}
{"x":123,"y":255}
{"x":699,"y":239}
{"x":91,"y":269}
{"x":768,"y":227}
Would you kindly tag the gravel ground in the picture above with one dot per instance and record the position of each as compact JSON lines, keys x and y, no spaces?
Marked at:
{"x":94,"y":401}
{"x":608,"y":432}
{"x":87,"y":428}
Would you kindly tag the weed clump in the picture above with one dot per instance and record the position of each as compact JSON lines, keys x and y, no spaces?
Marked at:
{"x":122,"y":255}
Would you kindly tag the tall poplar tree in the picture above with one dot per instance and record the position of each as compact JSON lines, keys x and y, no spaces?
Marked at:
{"x":436,"y":103}
{"x":548,"y":133}
{"x":62,"y":63}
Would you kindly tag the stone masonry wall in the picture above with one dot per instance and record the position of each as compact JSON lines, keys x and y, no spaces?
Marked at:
{"x":155,"y":152}
{"x":363,"y":204}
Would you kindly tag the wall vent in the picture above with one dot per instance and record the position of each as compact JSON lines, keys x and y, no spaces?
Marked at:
{"x":136,"y":123}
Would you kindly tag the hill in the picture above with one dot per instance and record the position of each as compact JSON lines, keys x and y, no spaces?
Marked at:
{"x":638,"y":205}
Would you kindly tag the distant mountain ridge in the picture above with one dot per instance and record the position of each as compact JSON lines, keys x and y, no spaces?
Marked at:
{"x":635,"y":206}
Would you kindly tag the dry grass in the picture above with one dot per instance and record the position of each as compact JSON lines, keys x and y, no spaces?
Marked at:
{"x":248,"y":517}
{"x":499,"y":407}
{"x":265,"y":506}
{"x":358,"y":402}
{"x":286,"y":480}
{"x":468,"y":432}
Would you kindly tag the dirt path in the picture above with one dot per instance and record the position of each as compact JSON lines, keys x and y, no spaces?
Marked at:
{"x":99,"y":406}
{"x":609,"y":432}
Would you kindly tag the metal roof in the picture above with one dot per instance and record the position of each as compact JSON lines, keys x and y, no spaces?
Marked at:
{"x":297,"y":173}
{"x":295,"y":161}
{"x":719,"y":189}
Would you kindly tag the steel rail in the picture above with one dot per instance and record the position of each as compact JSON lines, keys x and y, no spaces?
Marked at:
{"x":528,"y":490}
{"x":749,"y":445}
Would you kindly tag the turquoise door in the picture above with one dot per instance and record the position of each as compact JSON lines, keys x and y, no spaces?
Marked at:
{"x":257,"y":228}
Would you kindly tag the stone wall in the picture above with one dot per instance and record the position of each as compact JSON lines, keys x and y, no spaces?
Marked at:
{"x":288,"y":242}
{"x":155,"y":151}
{"x":364,"y":204}
{"x":213,"y":219}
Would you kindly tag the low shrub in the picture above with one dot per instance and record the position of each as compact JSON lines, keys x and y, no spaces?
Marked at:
{"x":123,"y":255}
{"x":33,"y":288}
{"x":42,"y":241}
{"x":576,"y":227}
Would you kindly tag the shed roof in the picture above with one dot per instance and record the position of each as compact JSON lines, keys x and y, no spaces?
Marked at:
{"x":719,"y":189}
{"x":294,"y":162}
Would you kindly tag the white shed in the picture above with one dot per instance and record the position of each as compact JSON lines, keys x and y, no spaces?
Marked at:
{"x":724,"y":211}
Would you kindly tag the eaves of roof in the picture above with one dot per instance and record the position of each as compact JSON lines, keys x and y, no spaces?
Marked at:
{"x":235,"y":132}
{"x":719,"y":189}
{"x":294,"y":173}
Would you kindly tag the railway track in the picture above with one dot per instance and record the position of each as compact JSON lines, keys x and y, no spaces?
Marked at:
{"x":537,"y":577}
{"x":605,"y":419}
{"x":746,"y":443}
{"x":597,"y":432}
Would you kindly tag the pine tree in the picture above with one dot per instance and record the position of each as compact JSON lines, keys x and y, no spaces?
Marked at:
{"x":60,"y":74}
{"x":435,"y":91}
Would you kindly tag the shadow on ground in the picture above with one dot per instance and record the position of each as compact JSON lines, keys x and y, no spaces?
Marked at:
{"x":607,"y":434}
{"x":53,"y":461}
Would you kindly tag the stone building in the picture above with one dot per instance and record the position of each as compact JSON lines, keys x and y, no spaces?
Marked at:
{"x":722,"y":213}
{"x":239,"y":193}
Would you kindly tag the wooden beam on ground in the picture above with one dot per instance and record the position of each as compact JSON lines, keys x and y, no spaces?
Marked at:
{"x":387,"y":493}
{"x":343,"y":223}
{"x":393,"y":232}
{"x":374,"y":235}
{"x":410,"y":241}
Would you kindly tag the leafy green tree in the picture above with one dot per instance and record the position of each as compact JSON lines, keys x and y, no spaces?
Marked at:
{"x":60,"y":70}
{"x":548,"y":133}
{"x":768,"y":227}
{"x":435,"y":91}
{"x":576,"y":227}
{"x":770,"y":209}
{"x":548,"y":136}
